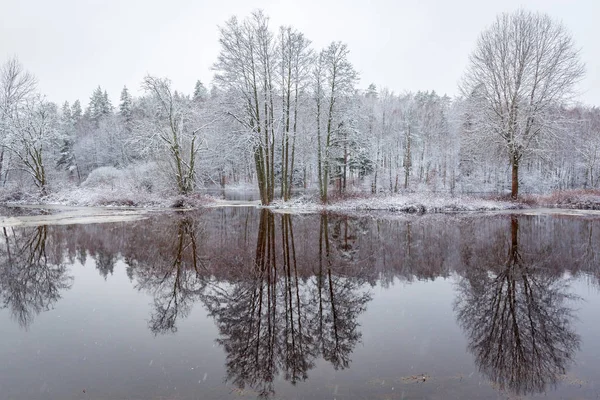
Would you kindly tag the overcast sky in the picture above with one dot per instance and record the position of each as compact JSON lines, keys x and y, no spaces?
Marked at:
{"x":73,"y":46}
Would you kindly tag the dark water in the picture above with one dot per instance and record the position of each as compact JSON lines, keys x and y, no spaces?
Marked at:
{"x":239,"y":303}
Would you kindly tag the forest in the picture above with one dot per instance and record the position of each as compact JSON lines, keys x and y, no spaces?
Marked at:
{"x":281,"y":116}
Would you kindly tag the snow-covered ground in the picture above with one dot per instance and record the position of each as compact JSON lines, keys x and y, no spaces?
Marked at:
{"x":409,"y":203}
{"x":103,"y":197}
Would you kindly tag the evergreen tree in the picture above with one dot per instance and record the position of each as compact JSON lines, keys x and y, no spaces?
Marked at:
{"x":99,"y":106}
{"x":66,"y":159}
{"x":125,"y":107}
{"x":66,"y":113}
{"x":200,"y":92}
{"x":76,"y":112}
{"x":126,"y":101}
{"x":106,"y":104}
{"x":371,"y":91}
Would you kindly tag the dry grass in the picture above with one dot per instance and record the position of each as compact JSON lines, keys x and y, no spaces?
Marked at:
{"x":577,"y":199}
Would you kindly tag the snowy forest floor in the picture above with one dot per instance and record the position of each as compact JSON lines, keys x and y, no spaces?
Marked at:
{"x":412,"y":203}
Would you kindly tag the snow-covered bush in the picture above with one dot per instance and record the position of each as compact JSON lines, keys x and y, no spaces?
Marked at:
{"x":104,"y":176}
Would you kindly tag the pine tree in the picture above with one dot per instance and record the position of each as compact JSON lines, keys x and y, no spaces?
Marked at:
{"x":66,"y":113}
{"x":371,"y":92}
{"x":99,"y":106}
{"x":76,"y":112}
{"x":66,"y":160}
{"x":125,"y":107}
{"x":107,"y":107}
{"x":200,"y":92}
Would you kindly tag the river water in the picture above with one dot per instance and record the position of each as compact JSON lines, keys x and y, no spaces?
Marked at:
{"x":243,"y":303}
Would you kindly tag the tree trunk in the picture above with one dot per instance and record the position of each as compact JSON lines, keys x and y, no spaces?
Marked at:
{"x":514,"y":193}
{"x":1,"y":160}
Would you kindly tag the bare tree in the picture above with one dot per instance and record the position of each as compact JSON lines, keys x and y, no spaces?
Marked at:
{"x":246,"y":66}
{"x":335,"y":78}
{"x":16,"y":84}
{"x":32,"y":130}
{"x":172,"y":115}
{"x":523,"y":66}
{"x":295,"y":58}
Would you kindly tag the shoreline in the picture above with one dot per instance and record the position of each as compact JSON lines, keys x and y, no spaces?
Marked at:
{"x":360,"y":205}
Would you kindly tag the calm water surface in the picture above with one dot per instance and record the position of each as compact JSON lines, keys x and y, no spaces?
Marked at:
{"x":243,"y":303}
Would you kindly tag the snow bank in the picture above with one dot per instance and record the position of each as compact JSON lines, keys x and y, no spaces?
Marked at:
{"x":409,"y":203}
{"x":107,"y":196}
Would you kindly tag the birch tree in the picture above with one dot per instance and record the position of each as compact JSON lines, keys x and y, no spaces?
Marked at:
{"x":524,"y":64}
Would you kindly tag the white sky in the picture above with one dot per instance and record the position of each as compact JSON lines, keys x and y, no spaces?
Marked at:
{"x":73,"y":46}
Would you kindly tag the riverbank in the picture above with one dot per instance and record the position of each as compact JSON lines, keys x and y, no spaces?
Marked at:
{"x":409,"y":203}
{"x":421,"y":203}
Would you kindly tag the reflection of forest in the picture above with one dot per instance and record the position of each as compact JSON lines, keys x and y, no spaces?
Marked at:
{"x":286,"y":290}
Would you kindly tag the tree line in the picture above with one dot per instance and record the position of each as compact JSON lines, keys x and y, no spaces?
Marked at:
{"x":282,"y":115}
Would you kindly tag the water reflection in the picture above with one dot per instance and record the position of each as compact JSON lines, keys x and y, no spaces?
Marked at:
{"x":31,"y":279}
{"x":517,"y":315}
{"x":273,"y":320}
{"x":171,"y":269}
{"x":287,"y":291}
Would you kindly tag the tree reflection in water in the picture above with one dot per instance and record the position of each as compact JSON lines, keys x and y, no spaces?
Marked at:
{"x":273,"y":320}
{"x":30,"y":282}
{"x":517,"y":319}
{"x":172,"y":271}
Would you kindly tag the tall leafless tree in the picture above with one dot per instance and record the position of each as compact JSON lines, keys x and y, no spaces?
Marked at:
{"x":245,"y":68}
{"x":524,"y":65}
{"x":334,"y":78}
{"x":170,"y":123}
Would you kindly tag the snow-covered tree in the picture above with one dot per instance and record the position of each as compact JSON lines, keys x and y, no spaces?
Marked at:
{"x":99,"y":106}
{"x":335,"y":83}
{"x":294,"y":58}
{"x":66,"y":151}
{"x":125,"y":105}
{"x":76,"y":112}
{"x":172,"y":126}
{"x":523,"y":66}
{"x":200,"y":92}
{"x":16,"y":86}
{"x":32,"y":130}
{"x":246,"y":68}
